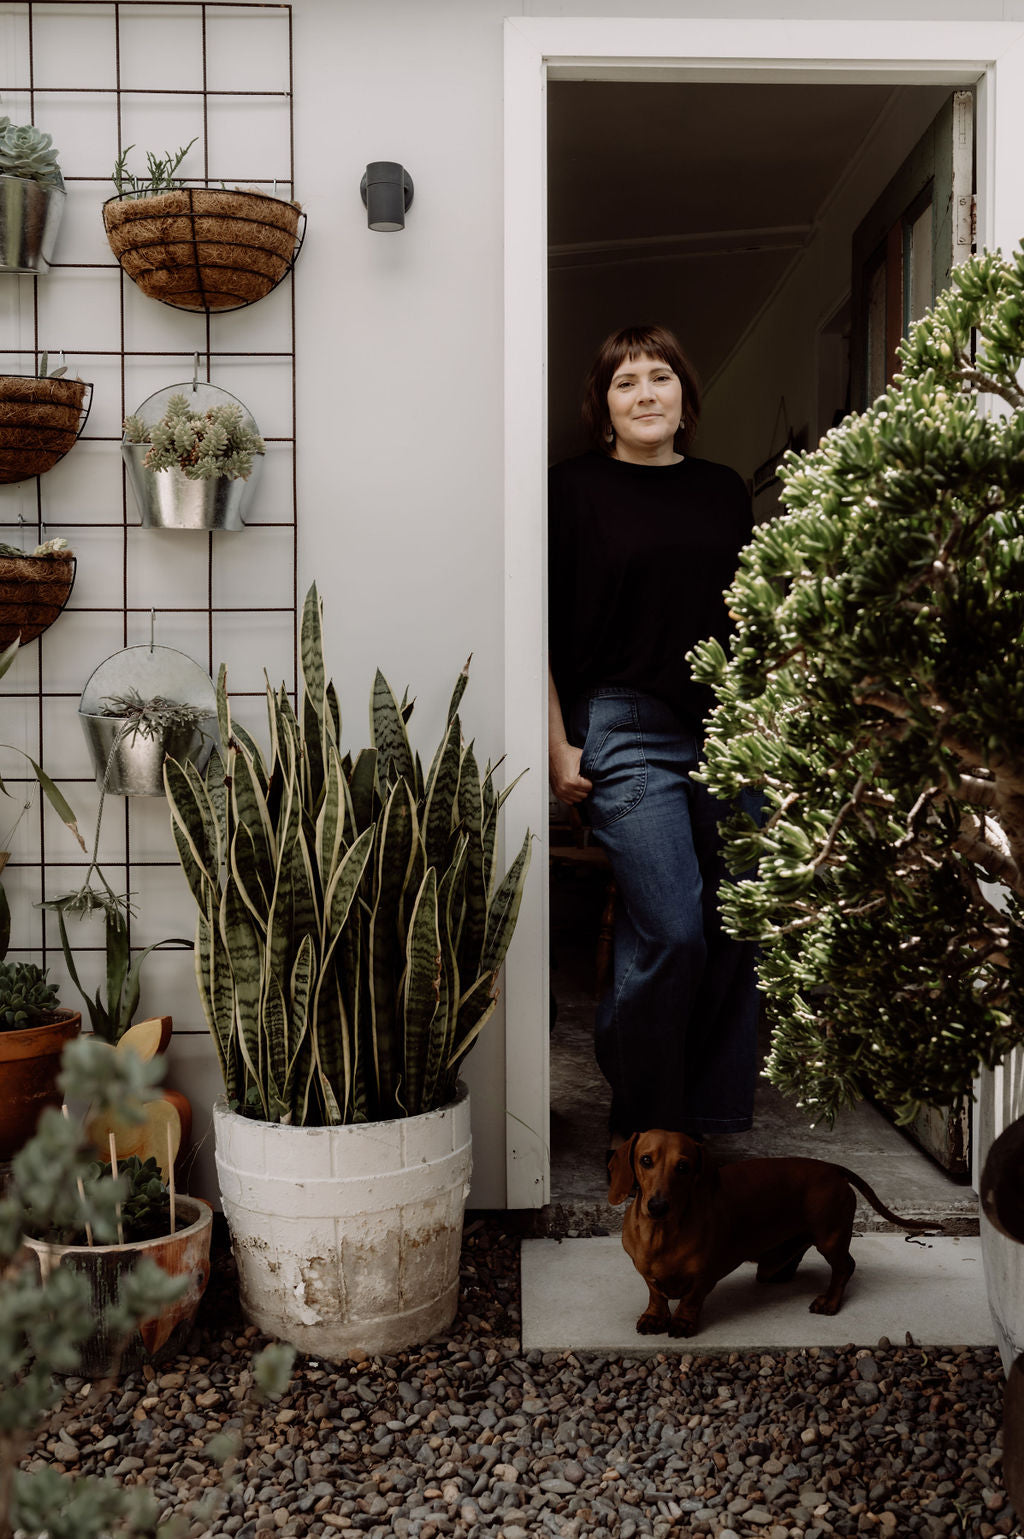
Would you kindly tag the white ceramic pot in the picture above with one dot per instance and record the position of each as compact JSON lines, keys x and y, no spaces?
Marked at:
{"x":347,"y":1238}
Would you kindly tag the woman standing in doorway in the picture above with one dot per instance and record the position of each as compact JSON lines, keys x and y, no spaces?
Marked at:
{"x":643,"y":541}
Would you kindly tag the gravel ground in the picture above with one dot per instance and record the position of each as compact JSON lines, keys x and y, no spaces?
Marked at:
{"x":470,"y":1437}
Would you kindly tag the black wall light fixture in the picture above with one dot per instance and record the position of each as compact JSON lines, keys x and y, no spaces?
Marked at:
{"x":386,"y":190}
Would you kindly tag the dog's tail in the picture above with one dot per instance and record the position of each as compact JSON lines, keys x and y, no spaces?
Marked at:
{"x":915,"y":1225}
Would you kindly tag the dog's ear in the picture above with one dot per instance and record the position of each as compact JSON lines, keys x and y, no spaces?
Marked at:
{"x":621,"y":1176}
{"x":698,"y":1160}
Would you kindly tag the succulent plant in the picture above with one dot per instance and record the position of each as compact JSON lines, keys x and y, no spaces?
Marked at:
{"x":215,"y":442}
{"x":26,"y":151}
{"x":48,"y":548}
{"x":26,"y":999}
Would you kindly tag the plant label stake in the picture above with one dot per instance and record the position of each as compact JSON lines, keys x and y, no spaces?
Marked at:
{"x":170,"y":1175}
{"x":81,"y":1187}
{"x":113,"y":1172}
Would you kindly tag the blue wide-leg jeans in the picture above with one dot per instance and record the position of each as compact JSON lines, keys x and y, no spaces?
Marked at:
{"x":676,"y":1031}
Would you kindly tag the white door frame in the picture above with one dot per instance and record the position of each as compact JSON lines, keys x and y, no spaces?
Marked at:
{"x":988,"y":55}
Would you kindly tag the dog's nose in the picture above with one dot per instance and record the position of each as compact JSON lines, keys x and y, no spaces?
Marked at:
{"x":657,"y":1206}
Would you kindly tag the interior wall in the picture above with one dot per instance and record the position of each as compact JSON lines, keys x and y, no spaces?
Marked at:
{"x":780,"y":356}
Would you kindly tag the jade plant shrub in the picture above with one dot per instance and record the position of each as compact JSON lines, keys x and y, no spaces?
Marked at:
{"x":351,"y":922}
{"x":875,"y":695}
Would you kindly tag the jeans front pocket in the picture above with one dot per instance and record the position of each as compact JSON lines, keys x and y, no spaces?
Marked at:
{"x":613,"y":758}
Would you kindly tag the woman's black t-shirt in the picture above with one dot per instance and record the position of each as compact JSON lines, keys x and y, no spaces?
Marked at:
{"x":639,"y":557}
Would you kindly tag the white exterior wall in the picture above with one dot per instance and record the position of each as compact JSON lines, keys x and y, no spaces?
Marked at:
{"x":400,"y":355}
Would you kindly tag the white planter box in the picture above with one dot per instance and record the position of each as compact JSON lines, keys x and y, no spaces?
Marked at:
{"x":347,"y":1238}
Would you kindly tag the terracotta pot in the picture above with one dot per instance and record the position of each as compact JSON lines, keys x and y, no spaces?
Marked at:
{"x":204,"y":248}
{"x":40,"y":419}
{"x":184,"y":1254}
{"x":29,"y":1065}
{"x":33,"y":591}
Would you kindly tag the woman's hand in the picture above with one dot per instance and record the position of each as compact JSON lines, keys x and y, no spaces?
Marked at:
{"x":564,"y":774}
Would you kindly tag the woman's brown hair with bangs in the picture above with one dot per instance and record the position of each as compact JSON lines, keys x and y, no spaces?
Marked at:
{"x":636,"y":342}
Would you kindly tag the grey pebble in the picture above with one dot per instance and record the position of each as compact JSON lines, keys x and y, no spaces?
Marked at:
{"x":473,"y":1439}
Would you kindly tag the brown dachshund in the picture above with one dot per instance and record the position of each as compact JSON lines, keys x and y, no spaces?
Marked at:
{"x":691,"y":1223}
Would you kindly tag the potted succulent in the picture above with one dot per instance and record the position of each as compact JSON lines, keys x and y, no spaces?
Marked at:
{"x":32,"y":198}
{"x":33,"y":1033}
{"x":198,"y":248}
{"x":101,"y":1220}
{"x":197,"y":465}
{"x":350,"y":931}
{"x":874,"y":694}
{"x":41,"y":416}
{"x":129,"y":737}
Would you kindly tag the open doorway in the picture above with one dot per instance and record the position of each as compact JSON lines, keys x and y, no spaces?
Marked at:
{"x":728,"y":213}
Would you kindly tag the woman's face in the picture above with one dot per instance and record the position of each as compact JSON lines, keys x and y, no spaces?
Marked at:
{"x":645,"y":404}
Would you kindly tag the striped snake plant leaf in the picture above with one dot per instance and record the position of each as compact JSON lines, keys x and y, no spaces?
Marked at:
{"x":387,"y":730}
{"x":442,"y":795}
{"x":299,"y":1066}
{"x":443,"y":1031}
{"x":223,"y":706}
{"x":245,"y":960}
{"x":492,"y":807}
{"x":274,"y":1024}
{"x":504,"y":908}
{"x":488,"y":827}
{"x":345,"y":883}
{"x":213,"y":979}
{"x":245,"y":743}
{"x":193,"y":827}
{"x":334,"y":711}
{"x":473,"y":928}
{"x":422,"y":987}
{"x":394,"y":853}
{"x":214,"y":781}
{"x":477,"y":1016}
{"x":330,"y":822}
{"x":329,"y":1040}
{"x":363,"y":788}
{"x":459,"y":689}
{"x":317,"y":723}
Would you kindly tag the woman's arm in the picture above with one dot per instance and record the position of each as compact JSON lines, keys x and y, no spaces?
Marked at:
{"x":563,"y":759}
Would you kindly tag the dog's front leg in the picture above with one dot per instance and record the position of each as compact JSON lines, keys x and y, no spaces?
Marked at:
{"x":654,"y":1320}
{"x":687,"y":1313}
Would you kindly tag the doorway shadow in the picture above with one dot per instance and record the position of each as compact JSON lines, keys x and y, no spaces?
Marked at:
{"x":904,"y":1177}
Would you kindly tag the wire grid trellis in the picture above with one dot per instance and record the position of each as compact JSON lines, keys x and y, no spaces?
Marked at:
{"x":123,"y":529}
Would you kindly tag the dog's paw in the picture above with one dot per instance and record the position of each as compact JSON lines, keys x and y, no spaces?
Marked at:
{"x":682,"y":1327}
{"x":823,"y":1305}
{"x":652,"y":1325}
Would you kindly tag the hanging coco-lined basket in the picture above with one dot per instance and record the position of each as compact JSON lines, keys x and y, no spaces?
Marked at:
{"x":33,"y":591}
{"x":39,"y":421}
{"x":205,"y":248}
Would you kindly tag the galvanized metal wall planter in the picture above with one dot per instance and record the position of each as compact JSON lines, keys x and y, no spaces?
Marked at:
{"x":127,"y":757}
{"x":177,"y":496}
{"x":30,"y":217}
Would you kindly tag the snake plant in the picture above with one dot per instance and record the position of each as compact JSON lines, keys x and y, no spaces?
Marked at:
{"x":351,"y":924}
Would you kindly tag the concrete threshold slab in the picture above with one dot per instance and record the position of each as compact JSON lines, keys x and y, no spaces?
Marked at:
{"x":585,"y":1295}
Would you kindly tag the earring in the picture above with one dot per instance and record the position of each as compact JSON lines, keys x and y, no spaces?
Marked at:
{"x":609,"y":434}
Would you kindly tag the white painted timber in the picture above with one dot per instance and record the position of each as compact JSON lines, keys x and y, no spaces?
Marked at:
{"x":347,"y":1238}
